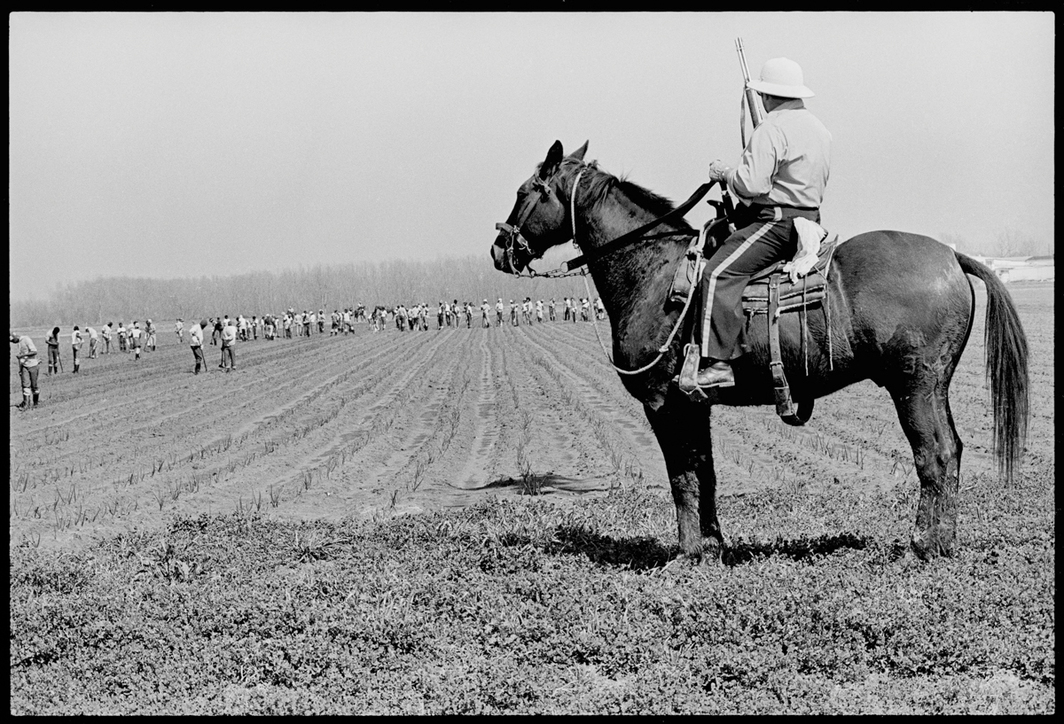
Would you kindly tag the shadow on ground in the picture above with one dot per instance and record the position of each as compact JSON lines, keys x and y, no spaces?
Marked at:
{"x":641,"y":554}
{"x":544,"y":483}
{"x":797,"y":549}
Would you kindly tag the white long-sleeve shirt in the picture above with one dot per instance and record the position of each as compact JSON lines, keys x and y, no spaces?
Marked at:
{"x":787,"y":160}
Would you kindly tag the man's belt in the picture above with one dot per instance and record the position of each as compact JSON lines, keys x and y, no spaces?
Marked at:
{"x":760,"y":207}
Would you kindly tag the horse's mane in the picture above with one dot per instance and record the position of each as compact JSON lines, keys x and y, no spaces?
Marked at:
{"x":597,"y":187}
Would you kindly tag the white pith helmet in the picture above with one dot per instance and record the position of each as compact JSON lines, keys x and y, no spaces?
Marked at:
{"x":782,"y":77}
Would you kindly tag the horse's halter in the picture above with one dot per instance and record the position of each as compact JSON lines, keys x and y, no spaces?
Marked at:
{"x":514,"y":237}
{"x":516,"y":240}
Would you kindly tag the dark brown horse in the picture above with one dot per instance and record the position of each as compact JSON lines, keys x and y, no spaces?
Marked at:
{"x":901,"y":312}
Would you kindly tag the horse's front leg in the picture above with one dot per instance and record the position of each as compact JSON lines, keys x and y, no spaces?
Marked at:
{"x":683,"y":432}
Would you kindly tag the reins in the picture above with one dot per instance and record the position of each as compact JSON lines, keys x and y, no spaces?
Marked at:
{"x":639,"y":233}
{"x":582,"y":261}
{"x":571,"y":267}
{"x":578,"y":264}
{"x":668,"y":342}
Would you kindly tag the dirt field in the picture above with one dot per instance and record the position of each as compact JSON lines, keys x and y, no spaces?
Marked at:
{"x":377,"y":424}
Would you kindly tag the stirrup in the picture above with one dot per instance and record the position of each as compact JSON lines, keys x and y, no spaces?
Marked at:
{"x":689,"y":371}
{"x":687,"y":380}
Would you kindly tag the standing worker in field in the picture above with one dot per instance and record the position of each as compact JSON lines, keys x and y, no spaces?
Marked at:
{"x":781,"y":175}
{"x":28,"y":368}
{"x":229,"y":346}
{"x":123,"y":337}
{"x":195,"y":341}
{"x":52,"y":341}
{"x":179,"y":329}
{"x":136,"y":336}
{"x":75,"y":346}
{"x":106,"y":334}
{"x":149,"y":336}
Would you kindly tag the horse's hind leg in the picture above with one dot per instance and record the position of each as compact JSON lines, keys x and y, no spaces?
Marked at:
{"x":923,"y":410}
{"x":683,"y":432}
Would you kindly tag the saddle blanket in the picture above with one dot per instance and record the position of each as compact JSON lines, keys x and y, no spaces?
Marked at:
{"x":805,"y":276}
{"x":795,"y":292}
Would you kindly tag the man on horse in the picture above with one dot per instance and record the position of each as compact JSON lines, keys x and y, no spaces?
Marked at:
{"x":782,"y":175}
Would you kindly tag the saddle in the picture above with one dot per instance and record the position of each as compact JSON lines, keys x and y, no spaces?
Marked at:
{"x":787,"y":286}
{"x":792,"y":292}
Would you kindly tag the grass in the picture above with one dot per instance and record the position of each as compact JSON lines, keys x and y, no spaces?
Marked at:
{"x":520,"y":606}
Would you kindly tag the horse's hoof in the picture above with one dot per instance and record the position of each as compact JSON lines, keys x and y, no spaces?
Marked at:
{"x":930,"y":545}
{"x":711,"y":552}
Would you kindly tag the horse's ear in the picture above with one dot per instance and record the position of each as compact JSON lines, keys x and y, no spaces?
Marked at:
{"x":578,"y":154}
{"x":550,"y":163}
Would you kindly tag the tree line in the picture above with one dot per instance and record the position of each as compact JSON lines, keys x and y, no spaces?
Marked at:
{"x":335,"y":286}
{"x":1005,"y":243}
{"x":327,"y":287}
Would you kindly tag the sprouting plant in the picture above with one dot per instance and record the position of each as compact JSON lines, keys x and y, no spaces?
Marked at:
{"x":531,"y":484}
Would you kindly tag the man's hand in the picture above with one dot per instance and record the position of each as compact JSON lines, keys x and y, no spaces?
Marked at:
{"x":717,"y":169}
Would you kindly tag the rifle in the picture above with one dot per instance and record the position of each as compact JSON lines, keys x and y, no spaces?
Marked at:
{"x":751,"y":100}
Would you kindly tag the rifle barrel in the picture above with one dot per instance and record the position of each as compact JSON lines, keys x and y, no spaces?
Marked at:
{"x":742,"y":59}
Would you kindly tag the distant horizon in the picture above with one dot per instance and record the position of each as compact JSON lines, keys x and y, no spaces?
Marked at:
{"x":46,"y":294}
{"x":296,"y":269}
{"x":247,"y":272}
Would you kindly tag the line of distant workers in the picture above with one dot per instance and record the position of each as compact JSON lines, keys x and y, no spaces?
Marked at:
{"x":525,"y":311}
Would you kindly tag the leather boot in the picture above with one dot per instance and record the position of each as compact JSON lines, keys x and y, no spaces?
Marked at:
{"x":718,"y":374}
{"x":36,"y":396}
{"x":25,"y":402}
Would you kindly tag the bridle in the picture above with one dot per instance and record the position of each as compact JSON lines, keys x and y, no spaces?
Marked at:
{"x":514,"y":239}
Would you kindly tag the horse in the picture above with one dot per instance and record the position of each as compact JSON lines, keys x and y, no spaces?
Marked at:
{"x":902,"y":308}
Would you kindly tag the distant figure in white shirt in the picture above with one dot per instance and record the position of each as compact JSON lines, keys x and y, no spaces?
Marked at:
{"x":75,"y":345}
{"x":195,"y":341}
{"x":229,"y":346}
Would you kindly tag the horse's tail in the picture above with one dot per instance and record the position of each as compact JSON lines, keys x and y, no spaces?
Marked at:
{"x":1006,"y":367}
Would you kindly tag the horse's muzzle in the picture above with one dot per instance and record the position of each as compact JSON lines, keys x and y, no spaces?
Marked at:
{"x":499,"y":256}
{"x":503,"y":251}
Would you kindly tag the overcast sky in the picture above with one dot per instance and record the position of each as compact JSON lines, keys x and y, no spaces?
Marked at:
{"x":180,"y":145}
